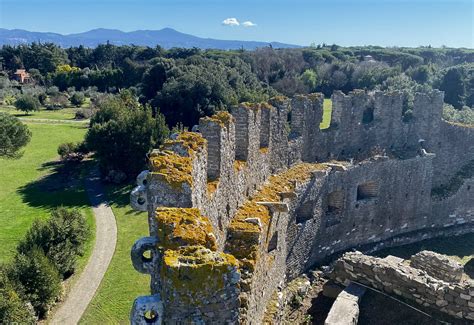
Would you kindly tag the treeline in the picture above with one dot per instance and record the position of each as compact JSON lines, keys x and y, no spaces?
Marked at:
{"x":185,"y":84}
{"x":32,"y":282}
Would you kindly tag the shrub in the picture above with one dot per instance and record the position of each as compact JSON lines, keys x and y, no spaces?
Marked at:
{"x":77,"y":99}
{"x":27,"y":103}
{"x":52,"y":91}
{"x":61,"y":238}
{"x":13,"y":136}
{"x":85,"y":113}
{"x":122,"y":132}
{"x":38,"y":279}
{"x":464,"y":115}
{"x":58,"y":101}
{"x":71,"y":151}
{"x":12,"y":308}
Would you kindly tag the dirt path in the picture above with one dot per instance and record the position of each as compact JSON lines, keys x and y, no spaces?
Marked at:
{"x":105,"y":240}
{"x":52,"y":121}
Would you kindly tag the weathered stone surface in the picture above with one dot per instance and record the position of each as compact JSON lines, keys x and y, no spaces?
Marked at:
{"x":438,"y":266}
{"x":345,"y":310}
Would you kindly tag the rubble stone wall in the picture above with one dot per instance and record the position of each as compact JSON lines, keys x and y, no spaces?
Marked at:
{"x":392,"y":277}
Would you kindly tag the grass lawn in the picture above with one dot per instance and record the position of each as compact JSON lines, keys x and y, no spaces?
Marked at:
{"x":61,"y":114}
{"x":36,"y":183}
{"x":121,"y":284}
{"x":327,"y":109}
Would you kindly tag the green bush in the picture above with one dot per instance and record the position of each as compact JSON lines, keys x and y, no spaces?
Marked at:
{"x":61,"y":238}
{"x":27,"y":103}
{"x":463,"y":116}
{"x":122,"y":133}
{"x":12,"y":308}
{"x":77,"y":99}
{"x":38,"y":279}
{"x":71,"y":151}
{"x":13,"y":136}
{"x":58,"y":101}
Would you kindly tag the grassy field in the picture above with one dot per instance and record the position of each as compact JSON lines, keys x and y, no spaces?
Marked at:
{"x":327,"y":109}
{"x":62,"y":114}
{"x":36,"y":183}
{"x":121,"y":284}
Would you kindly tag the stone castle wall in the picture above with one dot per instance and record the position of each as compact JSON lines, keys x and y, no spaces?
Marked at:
{"x":253,"y":200}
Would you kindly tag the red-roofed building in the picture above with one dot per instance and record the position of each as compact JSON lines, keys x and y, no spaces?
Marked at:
{"x":22,"y":76}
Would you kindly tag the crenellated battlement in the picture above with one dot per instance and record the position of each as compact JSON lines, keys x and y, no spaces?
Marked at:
{"x":261,"y":194}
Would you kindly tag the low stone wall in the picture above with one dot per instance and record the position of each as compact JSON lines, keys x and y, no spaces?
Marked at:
{"x":393,"y":277}
{"x":438,"y":266}
{"x":345,"y":310}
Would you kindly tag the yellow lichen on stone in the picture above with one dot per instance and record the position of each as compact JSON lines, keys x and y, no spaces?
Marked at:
{"x":194,"y":272}
{"x":171,"y":167}
{"x":278,"y":100}
{"x":265,"y":105}
{"x":249,"y":105}
{"x":244,"y":236}
{"x":193,"y":141}
{"x":239,"y":164}
{"x":212,"y":186}
{"x":184,"y":227}
{"x":222,"y":118}
{"x":263,"y":150}
{"x":315,"y":96}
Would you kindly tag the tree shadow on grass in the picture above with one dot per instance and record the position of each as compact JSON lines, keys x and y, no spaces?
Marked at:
{"x":63,"y":185}
{"x":119,"y":196}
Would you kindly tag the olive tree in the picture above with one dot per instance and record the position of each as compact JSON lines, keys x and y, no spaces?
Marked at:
{"x":13,"y":136}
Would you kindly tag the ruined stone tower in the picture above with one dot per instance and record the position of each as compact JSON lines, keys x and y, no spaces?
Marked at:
{"x":252,"y":201}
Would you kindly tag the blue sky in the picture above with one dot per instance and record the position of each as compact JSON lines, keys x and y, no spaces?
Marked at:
{"x":344,"y":22}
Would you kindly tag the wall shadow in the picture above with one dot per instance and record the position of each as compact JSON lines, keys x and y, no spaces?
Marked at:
{"x":460,"y":246}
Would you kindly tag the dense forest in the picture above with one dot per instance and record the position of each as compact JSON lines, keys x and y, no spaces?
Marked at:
{"x":185,"y":84}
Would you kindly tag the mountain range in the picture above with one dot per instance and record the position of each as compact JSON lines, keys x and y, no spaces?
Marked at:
{"x":166,"y":37}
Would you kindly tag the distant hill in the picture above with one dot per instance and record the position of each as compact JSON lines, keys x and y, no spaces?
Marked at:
{"x":166,"y":37}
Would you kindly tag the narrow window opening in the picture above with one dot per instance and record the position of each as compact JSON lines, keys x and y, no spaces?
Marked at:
{"x":367,"y":191}
{"x":273,"y":244}
{"x":227,"y":210}
{"x":335,"y":202}
{"x":304,"y":212}
{"x":368,"y":115}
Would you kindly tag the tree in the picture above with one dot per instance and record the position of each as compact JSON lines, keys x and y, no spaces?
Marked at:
{"x":453,"y":86}
{"x":310,"y":79}
{"x":27,"y":103}
{"x":13,"y":136}
{"x":122,"y":132}
{"x":38,"y":278}
{"x":77,"y":99}
{"x":13,"y":310}
{"x":61,"y":238}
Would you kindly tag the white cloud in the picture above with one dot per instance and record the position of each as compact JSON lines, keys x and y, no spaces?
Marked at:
{"x":248,"y":23}
{"x":230,"y":22}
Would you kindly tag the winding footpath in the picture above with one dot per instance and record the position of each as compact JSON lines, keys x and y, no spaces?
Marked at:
{"x":85,"y":287}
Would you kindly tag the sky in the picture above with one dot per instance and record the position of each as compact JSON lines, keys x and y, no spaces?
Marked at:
{"x":303,"y":22}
